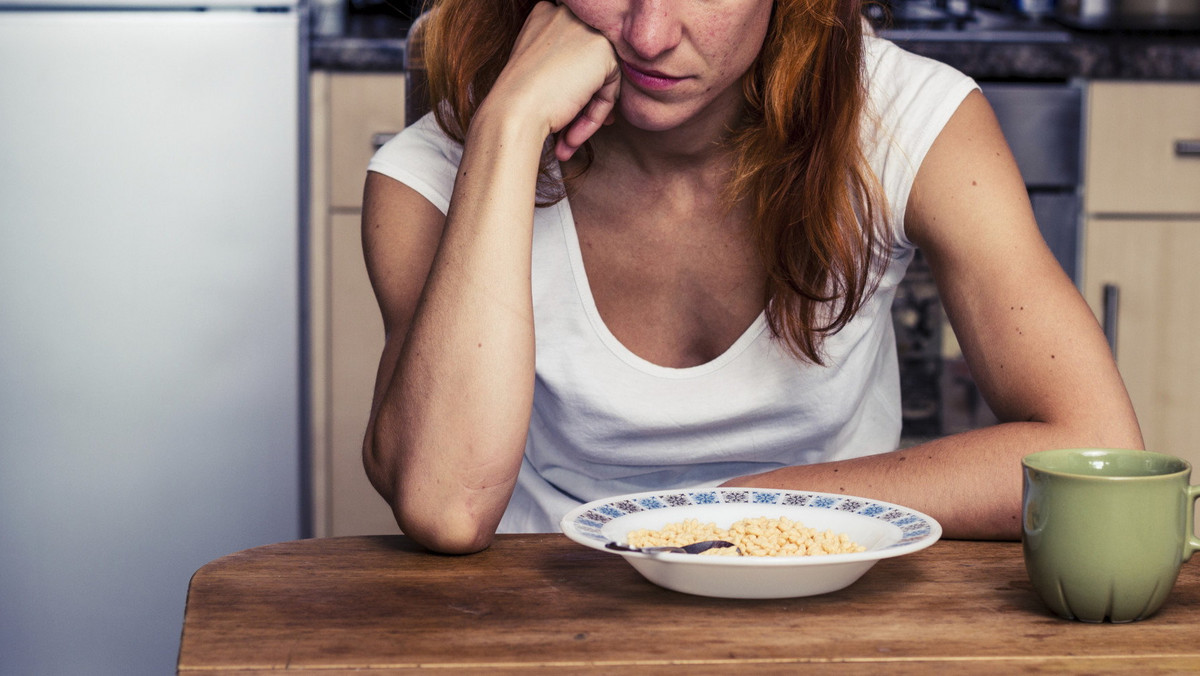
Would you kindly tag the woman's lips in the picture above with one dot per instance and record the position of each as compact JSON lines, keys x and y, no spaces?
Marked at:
{"x":648,"y":79}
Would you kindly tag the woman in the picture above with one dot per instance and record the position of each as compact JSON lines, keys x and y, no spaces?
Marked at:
{"x":702,"y":295}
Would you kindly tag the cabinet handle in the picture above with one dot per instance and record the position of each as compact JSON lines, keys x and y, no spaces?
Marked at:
{"x":380,"y":138}
{"x":1112,"y":308}
{"x":1188,"y":148}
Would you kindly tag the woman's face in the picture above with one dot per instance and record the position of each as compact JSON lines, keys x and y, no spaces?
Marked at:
{"x":679,"y":58}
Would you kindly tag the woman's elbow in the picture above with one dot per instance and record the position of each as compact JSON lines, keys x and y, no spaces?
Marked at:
{"x":1119,"y":427}
{"x":440,"y":523}
{"x":1113,"y":428}
{"x":1127,"y":436}
{"x":446,"y":531}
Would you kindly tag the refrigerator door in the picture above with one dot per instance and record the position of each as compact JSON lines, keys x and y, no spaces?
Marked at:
{"x":149,"y":322}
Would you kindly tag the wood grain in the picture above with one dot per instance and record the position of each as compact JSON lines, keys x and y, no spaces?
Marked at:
{"x":542,"y":602}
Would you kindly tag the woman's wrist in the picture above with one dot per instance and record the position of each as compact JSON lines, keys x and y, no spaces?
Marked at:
{"x":508,"y":125}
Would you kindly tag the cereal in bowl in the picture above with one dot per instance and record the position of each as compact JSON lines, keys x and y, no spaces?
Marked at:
{"x":761,"y":536}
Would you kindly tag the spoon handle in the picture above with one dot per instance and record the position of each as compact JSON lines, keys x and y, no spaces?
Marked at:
{"x":694,"y":548}
{"x":645,"y":550}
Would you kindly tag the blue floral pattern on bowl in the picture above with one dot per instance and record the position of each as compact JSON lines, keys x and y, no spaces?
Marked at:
{"x":915,"y":526}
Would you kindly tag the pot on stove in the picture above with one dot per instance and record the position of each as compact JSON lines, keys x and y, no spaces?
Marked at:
{"x":1168,"y":15}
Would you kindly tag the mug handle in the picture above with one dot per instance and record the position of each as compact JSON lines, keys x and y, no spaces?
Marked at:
{"x":1192,"y":545}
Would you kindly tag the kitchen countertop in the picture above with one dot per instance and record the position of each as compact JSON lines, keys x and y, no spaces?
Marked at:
{"x":540,"y":603}
{"x":1052,"y":52}
{"x":371,"y":43}
{"x":994,"y":47}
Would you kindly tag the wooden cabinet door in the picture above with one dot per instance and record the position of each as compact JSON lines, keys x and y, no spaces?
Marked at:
{"x":1143,"y":148}
{"x":365,"y":108}
{"x":1153,"y":264}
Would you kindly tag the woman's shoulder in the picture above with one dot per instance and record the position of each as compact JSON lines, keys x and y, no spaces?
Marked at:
{"x":423,"y":140}
{"x":910,"y":98}
{"x":422,"y":157}
{"x":897,"y":76}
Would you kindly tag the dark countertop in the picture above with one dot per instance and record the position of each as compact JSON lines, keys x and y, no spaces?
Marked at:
{"x":371,"y":43}
{"x":1032,"y":56}
{"x":995,"y":47}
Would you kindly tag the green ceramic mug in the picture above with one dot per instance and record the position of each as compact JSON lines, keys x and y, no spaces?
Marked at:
{"x":1105,"y":531}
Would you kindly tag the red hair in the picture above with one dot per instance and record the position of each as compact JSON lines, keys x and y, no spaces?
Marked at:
{"x":815,"y":202}
{"x":799,"y":163}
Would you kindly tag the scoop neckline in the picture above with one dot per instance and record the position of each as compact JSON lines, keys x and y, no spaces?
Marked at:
{"x":613,"y":344}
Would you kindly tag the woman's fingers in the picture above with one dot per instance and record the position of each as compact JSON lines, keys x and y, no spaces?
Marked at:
{"x":563,"y":73}
{"x":598,"y":112}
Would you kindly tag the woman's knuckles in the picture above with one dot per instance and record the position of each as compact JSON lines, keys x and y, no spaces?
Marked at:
{"x":561,"y":62}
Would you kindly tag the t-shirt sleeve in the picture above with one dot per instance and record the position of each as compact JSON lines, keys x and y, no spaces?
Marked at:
{"x":423,"y":158}
{"x":910,"y":100}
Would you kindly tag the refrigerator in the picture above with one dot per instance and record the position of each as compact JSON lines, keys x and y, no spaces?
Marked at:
{"x":151,"y":305}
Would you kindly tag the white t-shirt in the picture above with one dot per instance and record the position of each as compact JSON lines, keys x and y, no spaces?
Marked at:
{"x":607,"y":422}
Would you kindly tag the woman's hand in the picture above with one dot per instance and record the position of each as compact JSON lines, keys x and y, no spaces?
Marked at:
{"x":562,"y":73}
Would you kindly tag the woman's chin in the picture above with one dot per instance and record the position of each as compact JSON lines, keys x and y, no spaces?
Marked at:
{"x":652,"y":121}
{"x":646,"y":114}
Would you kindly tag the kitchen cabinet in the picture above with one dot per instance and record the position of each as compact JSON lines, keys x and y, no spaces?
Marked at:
{"x":1142,"y":239}
{"x":1143,"y":149}
{"x":351,"y":114}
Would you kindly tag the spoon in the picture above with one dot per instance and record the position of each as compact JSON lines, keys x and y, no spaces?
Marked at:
{"x":694,"y":548}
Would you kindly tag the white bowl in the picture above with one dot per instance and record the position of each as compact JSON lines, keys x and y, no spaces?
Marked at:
{"x":884,"y":529}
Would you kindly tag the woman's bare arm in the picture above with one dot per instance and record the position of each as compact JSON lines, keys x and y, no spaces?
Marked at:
{"x":1033,"y":346}
{"x":455,"y":384}
{"x":455,"y":381}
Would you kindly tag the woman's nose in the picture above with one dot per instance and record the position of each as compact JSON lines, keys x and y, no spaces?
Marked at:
{"x":652,"y":27}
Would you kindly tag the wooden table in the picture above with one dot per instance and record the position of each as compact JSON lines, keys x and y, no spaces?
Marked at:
{"x":542,"y":603}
